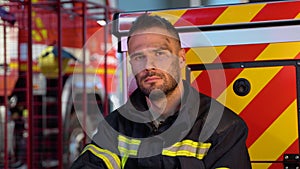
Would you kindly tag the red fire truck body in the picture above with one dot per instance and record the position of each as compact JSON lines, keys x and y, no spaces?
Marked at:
{"x":247,"y":57}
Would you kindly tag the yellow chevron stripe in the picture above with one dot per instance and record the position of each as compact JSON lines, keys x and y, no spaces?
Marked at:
{"x":202,"y":55}
{"x":298,"y":16}
{"x":239,"y":13}
{"x":171,"y":15}
{"x":280,"y":51}
{"x":194,"y":75}
{"x":277,"y":138}
{"x":254,"y":75}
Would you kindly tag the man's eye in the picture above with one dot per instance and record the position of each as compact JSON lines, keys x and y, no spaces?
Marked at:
{"x":138,"y":57}
{"x":160,"y":53}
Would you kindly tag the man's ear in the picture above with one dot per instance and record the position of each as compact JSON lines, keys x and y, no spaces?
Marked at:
{"x":181,"y":58}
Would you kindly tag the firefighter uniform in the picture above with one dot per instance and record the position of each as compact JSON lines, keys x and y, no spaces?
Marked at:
{"x":212,"y":137}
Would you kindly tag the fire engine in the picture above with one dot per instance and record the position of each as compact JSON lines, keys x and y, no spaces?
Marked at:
{"x":56,"y":62}
{"x":247,"y":57}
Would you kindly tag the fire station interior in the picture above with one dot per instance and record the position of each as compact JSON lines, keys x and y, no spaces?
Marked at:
{"x":62,"y":71}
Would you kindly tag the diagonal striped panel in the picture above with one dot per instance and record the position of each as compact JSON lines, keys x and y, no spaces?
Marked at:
{"x":278,"y":11}
{"x":298,"y":56}
{"x":202,"y":55}
{"x":237,"y":103}
{"x":213,"y":82}
{"x":285,"y":77}
{"x":277,"y":138}
{"x":238,"y":53}
{"x":227,"y":54}
{"x":280,"y":51}
{"x":271,"y":52}
{"x":171,"y":15}
{"x":200,"y":16}
{"x":270,"y":102}
{"x":293,"y":149}
{"x":264,"y":164}
{"x":239,"y":13}
{"x":242,"y":53}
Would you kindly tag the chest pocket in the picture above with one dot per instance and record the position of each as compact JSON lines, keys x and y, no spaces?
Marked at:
{"x":187,"y":148}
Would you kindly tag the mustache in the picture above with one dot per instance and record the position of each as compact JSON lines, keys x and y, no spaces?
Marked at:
{"x":151,"y":73}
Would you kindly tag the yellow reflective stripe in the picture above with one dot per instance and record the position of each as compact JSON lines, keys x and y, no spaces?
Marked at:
{"x":124,"y":159}
{"x":127,"y":147}
{"x":182,"y":153}
{"x":187,"y":148}
{"x":110,"y":159}
{"x":129,"y":141}
{"x":126,"y":151}
{"x":222,"y":168}
{"x":192,"y":143}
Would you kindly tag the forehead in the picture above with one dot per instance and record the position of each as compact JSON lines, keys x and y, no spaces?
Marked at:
{"x":149,"y":38}
{"x":154,"y":30}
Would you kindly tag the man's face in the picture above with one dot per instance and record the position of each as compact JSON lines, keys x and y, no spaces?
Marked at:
{"x":156,"y":60}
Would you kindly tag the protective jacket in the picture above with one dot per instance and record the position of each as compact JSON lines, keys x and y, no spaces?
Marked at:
{"x":203,"y":134}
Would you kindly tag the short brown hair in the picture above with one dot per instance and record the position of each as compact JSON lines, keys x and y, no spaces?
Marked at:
{"x":146,"y":21}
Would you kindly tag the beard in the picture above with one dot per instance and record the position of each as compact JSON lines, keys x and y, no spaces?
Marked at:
{"x":158,"y":91}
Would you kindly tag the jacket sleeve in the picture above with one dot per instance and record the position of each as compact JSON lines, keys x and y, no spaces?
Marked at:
{"x":88,"y":161}
{"x":101,"y":153}
{"x":229,"y":147}
{"x":93,"y":156}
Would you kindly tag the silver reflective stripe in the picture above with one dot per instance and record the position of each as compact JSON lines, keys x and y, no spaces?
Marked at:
{"x":110,"y":159}
{"x":187,"y":148}
{"x":128,"y":146}
{"x":131,"y":148}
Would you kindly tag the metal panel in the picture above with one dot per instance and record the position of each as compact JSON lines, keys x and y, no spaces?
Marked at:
{"x":236,"y":37}
{"x":267,"y":103}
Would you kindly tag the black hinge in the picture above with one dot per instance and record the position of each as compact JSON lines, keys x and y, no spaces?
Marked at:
{"x":291,"y":161}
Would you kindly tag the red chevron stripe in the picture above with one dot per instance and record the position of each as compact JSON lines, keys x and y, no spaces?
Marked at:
{"x":205,"y":16}
{"x":276,"y":166}
{"x":280,"y":92}
{"x":298,"y":56}
{"x":242,"y":53}
{"x":278,"y":11}
{"x":293,"y":149}
{"x":216,"y":77}
{"x":230,"y":54}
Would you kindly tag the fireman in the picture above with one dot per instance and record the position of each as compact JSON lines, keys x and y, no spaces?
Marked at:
{"x":166,"y":123}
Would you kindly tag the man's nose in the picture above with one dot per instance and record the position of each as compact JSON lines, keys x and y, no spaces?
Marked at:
{"x":150,"y":63}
